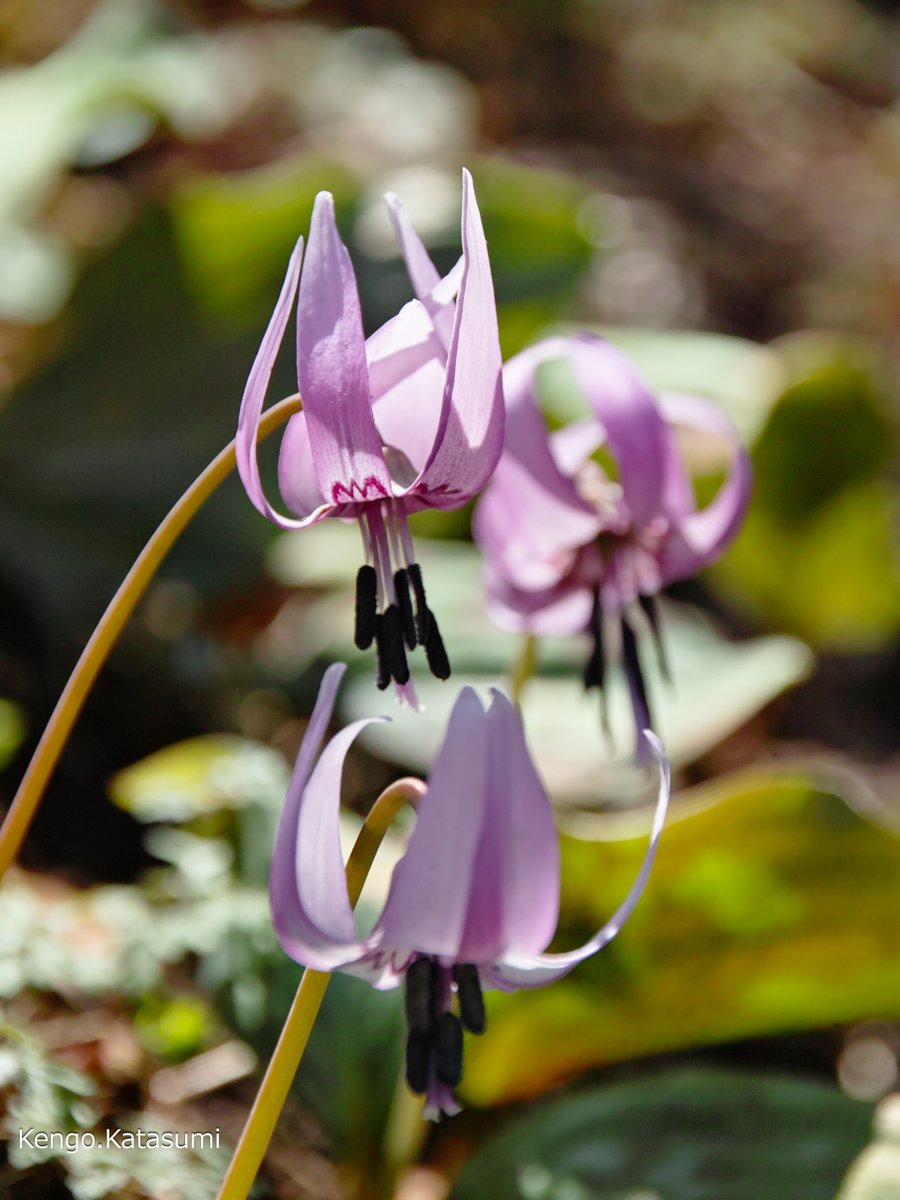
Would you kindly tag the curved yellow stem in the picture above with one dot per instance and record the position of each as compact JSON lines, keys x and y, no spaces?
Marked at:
{"x":273,"y":1091}
{"x":95,"y":653}
{"x":523,"y":669}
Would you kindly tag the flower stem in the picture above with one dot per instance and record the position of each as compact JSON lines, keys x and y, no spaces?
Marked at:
{"x":95,"y":653}
{"x":524,"y":668}
{"x":276,"y":1084}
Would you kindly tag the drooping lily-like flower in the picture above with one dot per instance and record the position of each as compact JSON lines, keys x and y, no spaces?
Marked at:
{"x":410,"y":419}
{"x":579,"y":541}
{"x":472,"y":904}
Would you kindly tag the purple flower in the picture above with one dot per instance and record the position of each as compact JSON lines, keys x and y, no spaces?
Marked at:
{"x":472,"y":904}
{"x":581,"y":527}
{"x":410,"y":419}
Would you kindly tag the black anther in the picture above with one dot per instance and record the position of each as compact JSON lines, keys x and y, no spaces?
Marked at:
{"x":471,"y":1001}
{"x":635,"y":676}
{"x":382,"y":672}
{"x":422,"y":614}
{"x":651,"y":608}
{"x":435,"y":653}
{"x":448,"y":1049}
{"x":594,"y":671}
{"x":366,"y":607}
{"x":422,"y":995}
{"x":404,"y":603}
{"x":392,"y":640}
{"x":418,"y":1061}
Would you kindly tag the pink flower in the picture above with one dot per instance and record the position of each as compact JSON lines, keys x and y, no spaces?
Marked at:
{"x":410,"y":419}
{"x":572,"y":548}
{"x":472,"y":904}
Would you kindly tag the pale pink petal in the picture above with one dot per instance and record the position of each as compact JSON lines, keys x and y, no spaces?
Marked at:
{"x":307,"y":888}
{"x":470,"y":431}
{"x":700,"y":537}
{"x":514,"y":896}
{"x":523,"y":970}
{"x":297,"y":480}
{"x":428,"y":900}
{"x":423,"y":274}
{"x":254,"y":398}
{"x":331,"y":369}
{"x":557,"y":611}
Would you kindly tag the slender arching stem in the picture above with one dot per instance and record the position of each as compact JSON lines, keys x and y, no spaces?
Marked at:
{"x":523,"y":668}
{"x":95,"y":653}
{"x":276,"y":1084}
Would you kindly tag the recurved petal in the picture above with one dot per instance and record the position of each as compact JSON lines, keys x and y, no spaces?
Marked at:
{"x":307,"y":888}
{"x":523,"y":970}
{"x":469,"y":436}
{"x":423,"y":274}
{"x":428,"y":899}
{"x":254,"y":398}
{"x":297,"y":480}
{"x":635,"y":430}
{"x":700,"y":536}
{"x":331,"y":369}
{"x":514,"y":896}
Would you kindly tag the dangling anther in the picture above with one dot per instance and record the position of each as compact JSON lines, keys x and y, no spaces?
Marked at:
{"x":471,"y":1001}
{"x":651,"y":608}
{"x":448,"y":1049}
{"x":422,"y":995}
{"x":631,"y":664}
{"x":392,"y":642}
{"x":422,"y":614}
{"x":404,"y":603}
{"x":366,"y":607}
{"x":435,"y":653}
{"x":418,"y":1061}
{"x":382,"y":672}
{"x":595,"y":668}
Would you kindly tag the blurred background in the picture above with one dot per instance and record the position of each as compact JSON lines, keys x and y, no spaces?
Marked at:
{"x":714,"y":185}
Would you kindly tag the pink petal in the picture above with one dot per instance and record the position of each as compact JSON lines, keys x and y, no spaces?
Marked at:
{"x":560,"y":610}
{"x":635,"y":431}
{"x":700,"y":536}
{"x":514,"y":898}
{"x":307,"y":888}
{"x":423,"y":274}
{"x":470,"y":431}
{"x":297,"y":480}
{"x":428,"y":900}
{"x":254,"y":398}
{"x":522,"y":970}
{"x":331,"y":369}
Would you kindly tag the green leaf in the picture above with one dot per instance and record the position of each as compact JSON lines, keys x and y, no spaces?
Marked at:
{"x":772,"y":908}
{"x":202,"y":775}
{"x":681,"y":1135}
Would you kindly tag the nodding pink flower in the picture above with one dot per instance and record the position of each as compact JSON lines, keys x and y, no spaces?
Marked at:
{"x":473,"y":902}
{"x":410,"y":419}
{"x":578,"y":541}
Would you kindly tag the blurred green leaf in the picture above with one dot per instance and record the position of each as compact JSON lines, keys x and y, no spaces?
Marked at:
{"x":199,"y":776}
{"x":772,"y":908}
{"x":174,"y":1027}
{"x":682,"y":1135}
{"x":12,"y":730}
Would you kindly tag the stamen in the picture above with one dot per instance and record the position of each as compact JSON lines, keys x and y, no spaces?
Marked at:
{"x":419,"y":1048}
{"x":651,"y":608}
{"x":595,"y":668}
{"x":404,"y":603}
{"x":422,"y":995}
{"x":435,"y":653}
{"x":366,"y":607}
{"x":635,"y":676}
{"x":422,"y":614}
{"x":448,"y":1049}
{"x":382,"y":672}
{"x":392,"y":644}
{"x":471,"y":1001}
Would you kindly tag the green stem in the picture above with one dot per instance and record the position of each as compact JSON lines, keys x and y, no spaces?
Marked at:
{"x":524,"y":668}
{"x":276,"y":1084}
{"x":96,"y":652}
